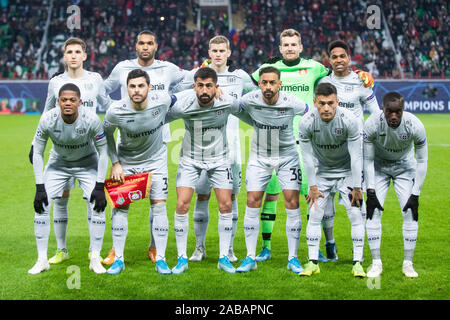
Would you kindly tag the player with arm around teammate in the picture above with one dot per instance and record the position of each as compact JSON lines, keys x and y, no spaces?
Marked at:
{"x":332,"y":136}
{"x":140,"y":119}
{"x":273,"y":150}
{"x":390,"y":138}
{"x":79,"y":151}
{"x":234,"y":82}
{"x":204,"y":148}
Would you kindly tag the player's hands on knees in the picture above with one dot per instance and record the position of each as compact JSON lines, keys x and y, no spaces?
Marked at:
{"x":117,"y":173}
{"x":40,"y":198}
{"x":372,"y":203}
{"x":356,"y":197}
{"x":98,"y":195}
{"x":313,"y":195}
{"x":413,"y":204}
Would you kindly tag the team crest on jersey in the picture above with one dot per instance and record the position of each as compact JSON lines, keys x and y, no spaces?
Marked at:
{"x":348,"y":88}
{"x":135,"y":195}
{"x":88,"y":86}
{"x":219,"y":112}
{"x":403,"y":136}
{"x":303,"y":72}
{"x":80,"y":131}
{"x":156,"y":112}
{"x":281,"y":112}
{"x":231,"y":79}
{"x":339,"y":131}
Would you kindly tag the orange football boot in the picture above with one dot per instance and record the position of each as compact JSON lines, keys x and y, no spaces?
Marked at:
{"x":109,"y":260}
{"x":152,"y":253}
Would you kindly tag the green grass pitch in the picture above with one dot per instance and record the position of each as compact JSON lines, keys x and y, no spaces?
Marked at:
{"x":271,"y":281}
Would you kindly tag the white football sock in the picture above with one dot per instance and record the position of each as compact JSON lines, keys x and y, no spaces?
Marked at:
{"x":251,"y":230}
{"x":235,"y":213}
{"x":293,"y":229}
{"x":181,"y":226}
{"x":357,"y":232}
{"x":60,"y":218}
{"x":42,"y":231}
{"x":119,"y":227}
{"x":160,"y":229}
{"x":313,"y":233}
{"x":201,"y":220}
{"x":225,"y":229}
{"x":97,"y":230}
{"x":150,"y":222}
{"x":410,"y":229}
{"x":373,"y":230}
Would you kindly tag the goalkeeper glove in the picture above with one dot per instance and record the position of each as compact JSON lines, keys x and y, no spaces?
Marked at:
{"x":413,"y":204}
{"x":40,"y":198}
{"x":206,"y":63}
{"x":366,"y":78}
{"x":372,"y":203}
{"x":98,"y":195}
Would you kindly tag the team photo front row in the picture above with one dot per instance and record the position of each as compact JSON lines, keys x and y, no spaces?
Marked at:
{"x":336,"y":152}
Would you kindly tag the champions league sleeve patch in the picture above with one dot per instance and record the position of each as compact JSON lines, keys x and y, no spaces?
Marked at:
{"x":100,"y":136}
{"x":371,"y":96}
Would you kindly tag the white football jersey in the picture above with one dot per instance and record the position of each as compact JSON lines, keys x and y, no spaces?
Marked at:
{"x":393,"y":144}
{"x":352,"y":94}
{"x":71,"y":142}
{"x":273,"y":124}
{"x":140,"y":130}
{"x":330,"y":142}
{"x":92,"y":90}
{"x":163,"y":76}
{"x":205,"y":138}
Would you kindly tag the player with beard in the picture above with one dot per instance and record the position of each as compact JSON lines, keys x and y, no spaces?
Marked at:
{"x":164,"y":76}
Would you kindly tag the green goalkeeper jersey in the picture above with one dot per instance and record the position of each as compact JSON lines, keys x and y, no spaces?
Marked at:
{"x":298,"y":78}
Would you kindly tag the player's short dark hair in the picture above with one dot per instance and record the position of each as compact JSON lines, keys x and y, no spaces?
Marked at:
{"x":270,"y":70}
{"x":339,"y":44}
{"x":205,"y":73}
{"x":393,"y":97}
{"x":325,"y":89}
{"x":70,"y":87}
{"x":137,"y":73}
{"x":147,"y":32}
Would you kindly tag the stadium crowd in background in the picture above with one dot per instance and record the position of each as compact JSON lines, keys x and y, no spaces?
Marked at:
{"x":419,"y":29}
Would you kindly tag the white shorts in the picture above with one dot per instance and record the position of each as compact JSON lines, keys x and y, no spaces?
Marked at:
{"x":204,"y":185}
{"x":160,"y":177}
{"x":330,"y":186}
{"x":259,"y":171}
{"x":402,"y":174}
{"x":219,"y":174}
{"x":58,"y":176}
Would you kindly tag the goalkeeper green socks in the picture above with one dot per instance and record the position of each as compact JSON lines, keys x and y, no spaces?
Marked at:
{"x":268,"y":214}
